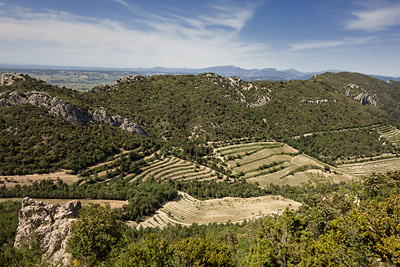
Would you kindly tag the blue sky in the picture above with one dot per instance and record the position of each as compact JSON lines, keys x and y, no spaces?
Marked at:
{"x":307,"y":35}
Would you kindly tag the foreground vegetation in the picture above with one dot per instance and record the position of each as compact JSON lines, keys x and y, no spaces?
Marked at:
{"x":354,"y":226}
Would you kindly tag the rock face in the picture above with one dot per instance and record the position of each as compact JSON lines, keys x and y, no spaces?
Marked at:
{"x":51,"y":225}
{"x":54,"y":105}
{"x":10,"y":78}
{"x":117,"y":121}
{"x":365,"y":98}
{"x":361,"y":95}
{"x":62,"y":109}
{"x":318,"y":101}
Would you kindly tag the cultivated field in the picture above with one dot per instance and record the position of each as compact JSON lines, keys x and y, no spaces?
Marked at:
{"x":273,"y":162}
{"x":174,"y":168}
{"x":261,"y":162}
{"x":187,"y":210}
{"x":11,"y":181}
{"x":390,"y":133}
{"x":365,"y":168}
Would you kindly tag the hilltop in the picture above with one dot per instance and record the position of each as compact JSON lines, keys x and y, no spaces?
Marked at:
{"x":84,"y":78}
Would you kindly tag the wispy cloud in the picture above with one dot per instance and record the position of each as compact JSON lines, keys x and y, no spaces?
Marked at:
{"x":167,"y":40}
{"x":333,"y":43}
{"x":124,"y":3}
{"x":376,"y":19}
{"x":316,"y":44}
{"x":230,"y":16}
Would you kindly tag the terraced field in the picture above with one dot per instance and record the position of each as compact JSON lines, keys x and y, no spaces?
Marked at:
{"x":272,"y":162}
{"x":365,"y":168}
{"x":187,"y":210}
{"x":390,"y":133}
{"x":383,"y":163}
{"x":174,"y":168}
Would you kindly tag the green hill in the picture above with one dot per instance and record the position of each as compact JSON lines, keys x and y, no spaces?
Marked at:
{"x":188,"y":111}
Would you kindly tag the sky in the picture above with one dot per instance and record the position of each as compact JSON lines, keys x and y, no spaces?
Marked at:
{"x":306,"y":35}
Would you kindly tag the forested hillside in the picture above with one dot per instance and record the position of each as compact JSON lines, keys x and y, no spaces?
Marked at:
{"x":188,"y":111}
{"x":211,"y":137}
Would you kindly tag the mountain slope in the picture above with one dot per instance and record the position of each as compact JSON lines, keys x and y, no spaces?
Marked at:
{"x":188,"y":111}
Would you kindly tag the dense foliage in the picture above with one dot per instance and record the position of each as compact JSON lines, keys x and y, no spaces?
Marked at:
{"x":334,"y":147}
{"x":40,"y":143}
{"x":8,"y":221}
{"x":95,"y":233}
{"x":356,"y":225}
{"x":187,"y":111}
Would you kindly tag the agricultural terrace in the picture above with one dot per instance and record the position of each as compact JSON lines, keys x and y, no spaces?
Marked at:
{"x":390,"y":133}
{"x":273,"y":162}
{"x":174,"y":168}
{"x":187,"y":210}
{"x":365,"y":168}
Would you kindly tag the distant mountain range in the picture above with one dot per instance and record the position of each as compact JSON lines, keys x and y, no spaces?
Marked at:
{"x":270,"y":74}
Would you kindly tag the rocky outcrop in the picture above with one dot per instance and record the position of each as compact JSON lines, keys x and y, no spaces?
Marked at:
{"x":62,"y":109}
{"x":54,"y":105}
{"x":318,"y":101}
{"x":259,"y":102}
{"x":361,"y":95}
{"x":100,"y":115}
{"x":10,"y":78}
{"x":365,"y":98}
{"x":50,"y":225}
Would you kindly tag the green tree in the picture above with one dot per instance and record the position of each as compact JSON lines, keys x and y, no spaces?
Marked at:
{"x":152,"y":252}
{"x":369,"y":233}
{"x":283,"y":241}
{"x":94,"y":234}
{"x":201,"y":252}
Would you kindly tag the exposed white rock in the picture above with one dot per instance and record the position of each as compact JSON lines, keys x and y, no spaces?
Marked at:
{"x":365,"y":98}
{"x":353,"y":86}
{"x":51,"y":225}
{"x":260,"y":102}
{"x":62,"y":109}
{"x":318,"y":101}
{"x":10,"y":78}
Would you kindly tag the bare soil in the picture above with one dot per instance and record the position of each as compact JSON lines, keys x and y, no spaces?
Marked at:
{"x":187,"y":210}
{"x":12,"y":180}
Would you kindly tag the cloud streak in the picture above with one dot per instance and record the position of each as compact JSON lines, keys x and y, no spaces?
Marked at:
{"x":171,"y":40}
{"x":332,"y":43}
{"x":375,"y":20}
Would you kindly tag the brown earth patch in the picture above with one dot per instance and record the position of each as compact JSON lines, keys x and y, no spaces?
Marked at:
{"x":30,"y":178}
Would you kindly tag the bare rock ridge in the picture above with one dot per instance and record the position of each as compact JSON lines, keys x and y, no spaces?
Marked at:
{"x":361,"y":95}
{"x":50,"y":225}
{"x":60,"y":108}
{"x":54,"y":105}
{"x":10,"y":78}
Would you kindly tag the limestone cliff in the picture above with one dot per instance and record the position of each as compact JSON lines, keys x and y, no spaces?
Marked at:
{"x":51,"y":225}
{"x":62,"y":109}
{"x":361,"y":95}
